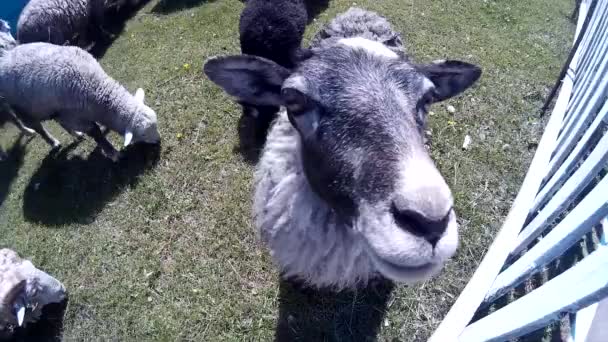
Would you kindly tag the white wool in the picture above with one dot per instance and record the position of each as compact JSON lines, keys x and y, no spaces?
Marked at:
{"x":68,"y":81}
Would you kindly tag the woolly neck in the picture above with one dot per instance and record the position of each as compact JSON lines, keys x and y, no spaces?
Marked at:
{"x":305,"y":236}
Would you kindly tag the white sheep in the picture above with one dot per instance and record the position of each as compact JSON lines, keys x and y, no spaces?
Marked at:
{"x":7,"y":42}
{"x":24,"y":291}
{"x":345,"y":189}
{"x":41,"y":81}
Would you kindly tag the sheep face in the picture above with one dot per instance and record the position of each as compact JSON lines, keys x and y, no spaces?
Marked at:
{"x":24,"y":290}
{"x":144,"y":128}
{"x":6,"y":38}
{"x":360,"y":110}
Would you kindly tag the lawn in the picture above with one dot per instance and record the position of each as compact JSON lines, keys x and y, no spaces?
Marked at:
{"x":165,"y":249}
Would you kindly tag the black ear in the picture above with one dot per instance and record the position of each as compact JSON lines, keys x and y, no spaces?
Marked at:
{"x":252,"y":80}
{"x":450,"y":77}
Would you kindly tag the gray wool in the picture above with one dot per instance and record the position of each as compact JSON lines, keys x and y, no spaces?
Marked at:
{"x":305,"y":237}
{"x":21,"y":280}
{"x":357,"y":22}
{"x":66,"y":83}
{"x":61,"y":21}
{"x":54,"y":21}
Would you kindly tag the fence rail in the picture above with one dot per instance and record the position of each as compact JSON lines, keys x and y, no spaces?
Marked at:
{"x":562,"y":201}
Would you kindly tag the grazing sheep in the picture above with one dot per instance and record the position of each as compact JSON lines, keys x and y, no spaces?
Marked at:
{"x":67,"y":21}
{"x":41,"y":81}
{"x":345,"y":190}
{"x":272,"y":29}
{"x":24,"y":291}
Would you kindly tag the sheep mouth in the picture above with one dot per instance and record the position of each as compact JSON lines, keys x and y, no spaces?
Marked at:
{"x":402,"y":273}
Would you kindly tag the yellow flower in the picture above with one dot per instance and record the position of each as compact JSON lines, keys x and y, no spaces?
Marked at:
{"x":186,"y":66}
{"x":179,"y":135}
{"x":451,"y":122}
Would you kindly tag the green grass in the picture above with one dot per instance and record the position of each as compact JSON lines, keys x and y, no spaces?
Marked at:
{"x":167,"y":251}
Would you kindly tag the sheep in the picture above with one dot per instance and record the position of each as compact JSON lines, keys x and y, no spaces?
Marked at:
{"x":272,"y":29}
{"x":24,"y":291}
{"x":41,"y":81}
{"x":68,"y":21}
{"x":7,"y":42}
{"x":345,"y":190}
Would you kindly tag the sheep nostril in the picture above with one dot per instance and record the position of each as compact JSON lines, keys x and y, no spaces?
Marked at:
{"x":418,"y":224}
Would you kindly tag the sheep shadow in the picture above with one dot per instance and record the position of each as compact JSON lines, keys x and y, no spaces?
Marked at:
{"x":307,"y":314}
{"x":10,"y":165}
{"x":315,"y":7}
{"x":170,"y":6}
{"x":48,"y":329}
{"x":66,"y":190}
{"x":114,"y":23}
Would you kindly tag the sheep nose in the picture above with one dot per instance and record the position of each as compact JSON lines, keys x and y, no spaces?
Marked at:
{"x":430,"y":228}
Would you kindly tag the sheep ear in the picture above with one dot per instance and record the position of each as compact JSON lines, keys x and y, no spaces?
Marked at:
{"x":450,"y":77}
{"x":4,"y":26}
{"x":128,"y":138}
{"x":252,"y":80}
{"x":20,"y":314}
{"x":140,"y":95}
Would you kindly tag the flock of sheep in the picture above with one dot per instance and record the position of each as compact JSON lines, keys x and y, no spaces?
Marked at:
{"x":345,"y":190}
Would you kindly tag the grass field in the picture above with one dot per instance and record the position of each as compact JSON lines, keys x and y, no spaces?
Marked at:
{"x":166,"y":250}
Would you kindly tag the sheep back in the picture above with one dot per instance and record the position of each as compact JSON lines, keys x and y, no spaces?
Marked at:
{"x":357,"y":22}
{"x":273,"y":29}
{"x":52,"y":21}
{"x":65,"y":80}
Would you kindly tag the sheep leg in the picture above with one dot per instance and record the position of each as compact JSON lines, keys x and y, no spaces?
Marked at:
{"x":26,"y":130}
{"x":3,"y":154}
{"x":101,"y":140}
{"x":76,"y":134}
{"x":37,"y":126}
{"x":15,"y":119}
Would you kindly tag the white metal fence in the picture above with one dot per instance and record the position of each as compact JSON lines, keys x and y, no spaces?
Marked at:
{"x":563,"y":201}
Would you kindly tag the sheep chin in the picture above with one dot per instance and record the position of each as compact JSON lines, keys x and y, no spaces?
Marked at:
{"x":398,"y":254}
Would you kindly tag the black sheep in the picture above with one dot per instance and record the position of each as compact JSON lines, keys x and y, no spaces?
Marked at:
{"x":272,"y":29}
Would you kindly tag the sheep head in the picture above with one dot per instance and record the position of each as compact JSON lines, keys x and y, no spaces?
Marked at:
{"x":360,"y":110}
{"x":24,"y":290}
{"x":144,"y":126}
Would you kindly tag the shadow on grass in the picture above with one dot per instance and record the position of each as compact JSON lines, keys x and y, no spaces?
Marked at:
{"x":48,"y":329}
{"x":315,"y":7}
{"x":9,"y":167}
{"x":74,"y":190}
{"x":252,"y":136}
{"x":114,"y":23}
{"x":322,"y":315}
{"x":170,"y":6}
